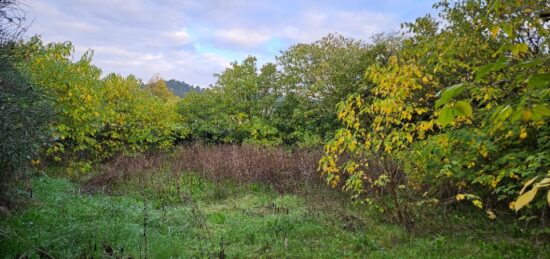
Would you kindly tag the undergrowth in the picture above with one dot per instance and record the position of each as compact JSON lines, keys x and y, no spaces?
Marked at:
{"x":159,"y":213}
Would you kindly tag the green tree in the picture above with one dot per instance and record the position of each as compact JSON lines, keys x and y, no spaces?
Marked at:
{"x":314,"y":78}
{"x":460,"y":109}
{"x":238,"y":108}
{"x":135,"y":120}
{"x":75,"y":89}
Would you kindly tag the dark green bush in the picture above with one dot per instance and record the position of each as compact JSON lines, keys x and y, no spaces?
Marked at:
{"x":24,"y":110}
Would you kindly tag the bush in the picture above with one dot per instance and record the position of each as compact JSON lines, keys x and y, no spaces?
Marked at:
{"x":24,"y":109}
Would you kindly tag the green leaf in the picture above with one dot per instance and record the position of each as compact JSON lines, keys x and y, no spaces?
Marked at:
{"x":486,"y":69}
{"x":531,"y":63}
{"x":541,"y":110}
{"x":520,"y":48}
{"x":516,"y":115}
{"x":446,"y":116}
{"x":508,"y":29}
{"x":539,"y":80}
{"x":448,"y":93}
{"x":483,"y":70}
{"x":504,"y":113}
{"x":463,"y":108}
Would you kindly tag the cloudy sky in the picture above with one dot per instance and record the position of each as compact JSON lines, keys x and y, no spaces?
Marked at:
{"x":191,"y":40}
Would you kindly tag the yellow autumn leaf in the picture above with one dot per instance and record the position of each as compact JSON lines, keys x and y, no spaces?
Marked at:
{"x":523,"y":133}
{"x":543,"y":183}
{"x":460,"y":197}
{"x":525,"y":198}
{"x":527,"y":184}
{"x":484,"y":152}
{"x":526,"y":115}
{"x":490,"y":214}
{"x":477,"y":203}
{"x":494,"y":183}
{"x":509,"y":134}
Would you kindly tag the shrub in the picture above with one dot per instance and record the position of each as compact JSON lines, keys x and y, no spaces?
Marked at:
{"x":24,"y":108}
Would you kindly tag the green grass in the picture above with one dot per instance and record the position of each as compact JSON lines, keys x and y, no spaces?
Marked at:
{"x":250,"y":220}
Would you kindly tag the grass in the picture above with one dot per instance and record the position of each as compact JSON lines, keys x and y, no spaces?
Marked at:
{"x":203,"y":219}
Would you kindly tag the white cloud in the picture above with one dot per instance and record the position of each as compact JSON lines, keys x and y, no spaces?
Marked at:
{"x":191,"y":67}
{"x":191,"y":40}
{"x":243,"y":37}
{"x":180,"y":36}
{"x":355,"y":24}
{"x":77,"y":26}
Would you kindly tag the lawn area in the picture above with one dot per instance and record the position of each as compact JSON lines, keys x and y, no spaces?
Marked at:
{"x":207,"y":219}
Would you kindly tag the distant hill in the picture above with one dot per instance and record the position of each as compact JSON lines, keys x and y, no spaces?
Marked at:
{"x":180,"y":88}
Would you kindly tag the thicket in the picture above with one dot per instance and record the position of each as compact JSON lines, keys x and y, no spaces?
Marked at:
{"x":460,"y":111}
{"x":24,"y":108}
{"x":96,"y":117}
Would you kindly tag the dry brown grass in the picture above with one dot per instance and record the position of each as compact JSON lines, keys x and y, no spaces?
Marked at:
{"x":286,"y":171}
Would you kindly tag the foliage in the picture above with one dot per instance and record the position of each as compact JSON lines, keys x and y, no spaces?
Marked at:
{"x":291,"y":102}
{"x":461,"y":107}
{"x":136,"y":120}
{"x":314,"y":78}
{"x":251,"y":220}
{"x":454,"y":108}
{"x":97,"y":118}
{"x":238,"y":108}
{"x":75,"y":88}
{"x":24,"y":108}
{"x":26,"y":112}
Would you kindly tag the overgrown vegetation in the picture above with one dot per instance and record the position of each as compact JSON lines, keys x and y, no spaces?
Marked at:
{"x":439,"y":130}
{"x":24,"y":108}
{"x":153,"y":210}
{"x":461,"y":110}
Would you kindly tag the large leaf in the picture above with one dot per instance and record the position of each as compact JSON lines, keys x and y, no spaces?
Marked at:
{"x":525,"y":198}
{"x":463,"y":108}
{"x":531,"y":63}
{"x":527,"y":184}
{"x":539,"y":80}
{"x":520,"y":48}
{"x":448,"y":93}
{"x":503,"y":113}
{"x":446,"y":116}
{"x":541,"y":110}
{"x":543,"y":183}
{"x":486,"y":69}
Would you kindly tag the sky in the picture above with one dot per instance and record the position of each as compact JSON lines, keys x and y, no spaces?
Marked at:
{"x":191,"y":40}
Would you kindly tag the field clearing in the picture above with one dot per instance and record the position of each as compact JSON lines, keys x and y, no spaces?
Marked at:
{"x":207,"y":219}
